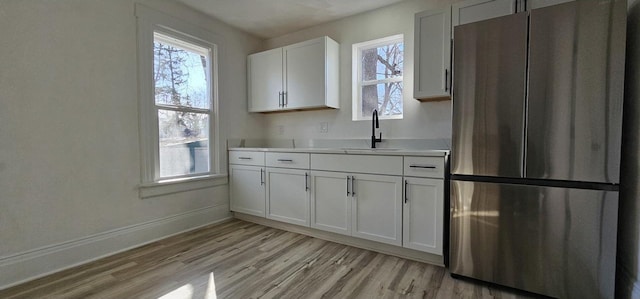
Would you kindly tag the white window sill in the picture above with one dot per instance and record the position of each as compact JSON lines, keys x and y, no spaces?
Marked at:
{"x":181,"y":185}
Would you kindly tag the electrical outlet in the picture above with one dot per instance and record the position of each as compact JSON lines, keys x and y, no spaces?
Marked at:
{"x":324,"y":127}
{"x":280,"y":130}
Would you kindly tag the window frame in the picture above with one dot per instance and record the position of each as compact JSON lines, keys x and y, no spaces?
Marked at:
{"x":149,"y":22}
{"x":357,"y":82}
{"x":186,"y":42}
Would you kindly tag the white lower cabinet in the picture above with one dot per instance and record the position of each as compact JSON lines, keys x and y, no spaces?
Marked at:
{"x":377,"y":208}
{"x":330,"y":203}
{"x":359,"y":205}
{"x":288,"y":194}
{"x":363,"y":196}
{"x":423,"y":214}
{"x":247,"y":189}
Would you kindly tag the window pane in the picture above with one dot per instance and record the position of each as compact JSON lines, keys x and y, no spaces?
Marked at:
{"x":386,"y":97}
{"x":180,"y":76}
{"x":383,"y":62}
{"x":184,"y":143}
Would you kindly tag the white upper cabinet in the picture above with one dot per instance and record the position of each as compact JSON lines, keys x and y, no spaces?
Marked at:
{"x":265,"y":80}
{"x":478,"y":10}
{"x":432,"y":69}
{"x":295,"y":77}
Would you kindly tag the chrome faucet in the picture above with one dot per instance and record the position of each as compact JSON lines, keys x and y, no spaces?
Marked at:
{"x":375,"y":124}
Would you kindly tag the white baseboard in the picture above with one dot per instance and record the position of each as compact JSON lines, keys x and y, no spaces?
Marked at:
{"x":32,"y":264}
{"x":411,"y":254}
{"x":628,"y":286}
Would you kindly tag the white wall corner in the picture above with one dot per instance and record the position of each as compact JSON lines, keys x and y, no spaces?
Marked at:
{"x":32,"y":264}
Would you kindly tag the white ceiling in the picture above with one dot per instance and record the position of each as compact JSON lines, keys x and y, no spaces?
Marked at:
{"x":272,"y":18}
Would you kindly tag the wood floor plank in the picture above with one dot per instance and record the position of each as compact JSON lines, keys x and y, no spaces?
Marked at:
{"x":239,"y":259}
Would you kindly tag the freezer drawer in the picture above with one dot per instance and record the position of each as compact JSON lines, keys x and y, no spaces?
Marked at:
{"x":558,"y":242}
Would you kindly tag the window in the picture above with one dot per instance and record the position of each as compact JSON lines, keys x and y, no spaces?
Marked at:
{"x":177,"y":78}
{"x":181,"y":72}
{"x":377,"y":78}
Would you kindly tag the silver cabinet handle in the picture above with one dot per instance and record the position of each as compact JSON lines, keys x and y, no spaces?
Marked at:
{"x":406,"y":191}
{"x":306,"y":184}
{"x":348,"y":179}
{"x":285,"y":160}
{"x":244,"y":158}
{"x":285,"y":99}
{"x":261,"y":177}
{"x":353,"y":186}
{"x":446,"y":80}
{"x":423,"y":166}
{"x":280,"y":101}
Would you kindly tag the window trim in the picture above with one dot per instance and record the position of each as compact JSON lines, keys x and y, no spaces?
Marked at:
{"x":356,"y":76}
{"x":150,"y":21}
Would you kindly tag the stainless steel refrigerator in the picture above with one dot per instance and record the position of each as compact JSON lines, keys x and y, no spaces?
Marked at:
{"x":537,"y":117}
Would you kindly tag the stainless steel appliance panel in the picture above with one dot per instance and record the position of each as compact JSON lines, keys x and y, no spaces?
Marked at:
{"x":559,"y":242}
{"x":489,"y":91}
{"x":576,"y":72}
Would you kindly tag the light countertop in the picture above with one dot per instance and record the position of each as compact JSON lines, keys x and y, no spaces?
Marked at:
{"x":350,"y":151}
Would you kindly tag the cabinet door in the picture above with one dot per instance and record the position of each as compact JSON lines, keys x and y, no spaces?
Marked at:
{"x":478,"y":10}
{"x":377,"y":208}
{"x":288,"y":195}
{"x":265,"y":80}
{"x":432,"y":54}
{"x":423,"y":214}
{"x":247,"y":189}
{"x":305,"y":74}
{"x":330,"y":203}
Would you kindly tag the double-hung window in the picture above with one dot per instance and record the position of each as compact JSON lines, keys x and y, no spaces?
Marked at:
{"x":183,"y":106}
{"x":378,"y":66}
{"x":177,"y":73}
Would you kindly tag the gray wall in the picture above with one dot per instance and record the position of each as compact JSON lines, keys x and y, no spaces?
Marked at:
{"x":421,"y":120}
{"x":69,"y":144}
{"x":628,"y":285}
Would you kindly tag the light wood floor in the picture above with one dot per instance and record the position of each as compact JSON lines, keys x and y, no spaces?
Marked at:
{"x":238,"y":259}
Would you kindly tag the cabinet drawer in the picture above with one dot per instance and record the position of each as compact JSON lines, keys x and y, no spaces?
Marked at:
{"x":246,"y":158}
{"x":288,"y":160}
{"x":428,"y":167}
{"x":375,"y":164}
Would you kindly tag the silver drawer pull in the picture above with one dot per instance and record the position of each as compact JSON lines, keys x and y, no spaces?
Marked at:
{"x":244,"y":158}
{"x":285,"y":160}
{"x":423,"y":166}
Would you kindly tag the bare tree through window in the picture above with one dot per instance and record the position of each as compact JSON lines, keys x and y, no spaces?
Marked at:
{"x":381,"y":69}
{"x":183,"y":106}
